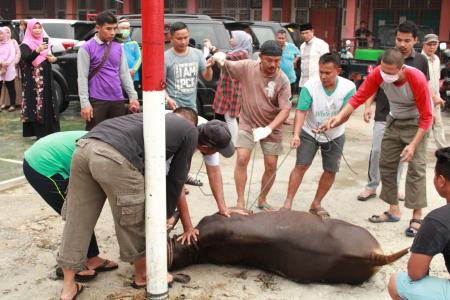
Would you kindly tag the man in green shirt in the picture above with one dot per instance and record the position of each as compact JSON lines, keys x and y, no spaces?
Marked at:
{"x":46,"y":166}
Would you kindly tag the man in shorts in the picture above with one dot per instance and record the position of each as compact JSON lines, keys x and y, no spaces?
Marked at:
{"x":321,"y":97}
{"x":433,"y":238}
{"x":265,"y":106}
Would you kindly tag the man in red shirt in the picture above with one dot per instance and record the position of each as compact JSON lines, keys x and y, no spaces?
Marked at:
{"x":405,"y":136}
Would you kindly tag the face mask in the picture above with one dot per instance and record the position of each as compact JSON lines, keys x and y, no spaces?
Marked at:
{"x":388,"y":78}
{"x":125,"y":33}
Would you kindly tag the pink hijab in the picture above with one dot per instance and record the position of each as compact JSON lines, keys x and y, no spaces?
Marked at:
{"x":34,"y":42}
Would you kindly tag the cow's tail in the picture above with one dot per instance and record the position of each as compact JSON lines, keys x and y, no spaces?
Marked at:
{"x":381,"y":259}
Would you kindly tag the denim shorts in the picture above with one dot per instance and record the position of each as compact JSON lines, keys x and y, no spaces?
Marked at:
{"x":331,"y":151}
{"x":427,"y":288}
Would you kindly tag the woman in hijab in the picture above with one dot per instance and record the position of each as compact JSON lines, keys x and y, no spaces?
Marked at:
{"x":39,"y":112}
{"x":227,"y":101}
{"x":7,"y":66}
{"x":6,"y":98}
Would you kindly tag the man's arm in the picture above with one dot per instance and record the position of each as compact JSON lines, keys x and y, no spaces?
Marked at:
{"x":83,"y":63}
{"x":300,"y":116}
{"x":179,"y":168}
{"x":368,"y":108}
{"x":126,"y":81}
{"x":418,"y":266}
{"x":190,"y":233}
{"x":208,"y":72}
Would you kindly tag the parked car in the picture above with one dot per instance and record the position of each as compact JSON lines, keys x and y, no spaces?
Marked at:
{"x":200,"y":27}
{"x":63,"y":34}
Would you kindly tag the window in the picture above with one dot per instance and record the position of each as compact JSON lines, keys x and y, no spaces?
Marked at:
{"x":263,"y":34}
{"x":301,"y":16}
{"x":37,"y":4}
{"x":58,"y":30}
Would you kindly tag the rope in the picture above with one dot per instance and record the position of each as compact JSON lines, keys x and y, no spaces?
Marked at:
{"x":273,"y":175}
{"x":251,"y":177}
{"x":339,"y":148}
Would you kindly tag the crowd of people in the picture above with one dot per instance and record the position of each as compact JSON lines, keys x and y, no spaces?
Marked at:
{"x":75,"y":172}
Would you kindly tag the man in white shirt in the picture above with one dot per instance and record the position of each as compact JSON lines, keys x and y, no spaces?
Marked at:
{"x":430,"y":45}
{"x":320,"y":98}
{"x":310,"y":51}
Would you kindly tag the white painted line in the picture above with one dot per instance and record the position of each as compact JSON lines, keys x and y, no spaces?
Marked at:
{"x":12,"y":161}
{"x":11,"y":183}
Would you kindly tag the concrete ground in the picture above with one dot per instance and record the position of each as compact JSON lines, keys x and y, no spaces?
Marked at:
{"x":30,"y":231}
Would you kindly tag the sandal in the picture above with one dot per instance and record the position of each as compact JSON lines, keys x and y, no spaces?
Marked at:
{"x":11,"y":108}
{"x":103,"y":267}
{"x":80,"y":288}
{"x":193,"y":181}
{"x":412,"y":231}
{"x":320,"y":212}
{"x":390,"y":218}
{"x":78,"y":277}
{"x":266,"y":207}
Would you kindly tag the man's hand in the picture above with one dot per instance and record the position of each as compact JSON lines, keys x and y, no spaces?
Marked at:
{"x":51,"y":59}
{"x":210,"y":62}
{"x":367,"y":114}
{"x":87,"y":113}
{"x":437,"y":101}
{"x":331,"y":123}
{"x":171,"y":103}
{"x":132,"y":72}
{"x":226,"y":212}
{"x":295,"y":143}
{"x":261,"y":133}
{"x":134,"y":106}
{"x":408,"y":153}
{"x":189,"y":235}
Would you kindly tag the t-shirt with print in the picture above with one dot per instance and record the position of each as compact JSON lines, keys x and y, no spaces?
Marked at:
{"x":181,"y":76}
{"x":323,"y":105}
{"x":434,"y":235}
{"x":263,"y":97}
{"x":290,"y":52}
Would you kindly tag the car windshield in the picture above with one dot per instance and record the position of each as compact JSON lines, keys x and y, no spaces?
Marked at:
{"x":60,"y":31}
{"x":216,"y":33}
{"x":266,"y":33}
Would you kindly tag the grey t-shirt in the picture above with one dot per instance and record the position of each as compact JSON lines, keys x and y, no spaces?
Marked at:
{"x":125,"y":134}
{"x":181,"y":76}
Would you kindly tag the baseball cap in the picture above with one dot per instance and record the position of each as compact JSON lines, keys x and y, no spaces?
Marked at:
{"x":431,"y":37}
{"x":216,"y":134}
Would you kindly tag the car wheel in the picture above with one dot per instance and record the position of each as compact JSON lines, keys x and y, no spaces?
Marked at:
{"x":200,"y":107}
{"x":58,"y":96}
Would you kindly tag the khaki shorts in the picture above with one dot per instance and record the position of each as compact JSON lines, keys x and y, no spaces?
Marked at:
{"x":245,"y":140}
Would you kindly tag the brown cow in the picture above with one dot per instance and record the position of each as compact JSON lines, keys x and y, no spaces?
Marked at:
{"x":296,"y":245}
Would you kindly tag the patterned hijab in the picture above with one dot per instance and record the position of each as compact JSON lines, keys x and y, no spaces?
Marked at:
{"x":34,"y":42}
{"x":242,"y":41}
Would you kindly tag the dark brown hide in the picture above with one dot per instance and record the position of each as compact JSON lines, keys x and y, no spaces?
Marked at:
{"x":296,"y":245}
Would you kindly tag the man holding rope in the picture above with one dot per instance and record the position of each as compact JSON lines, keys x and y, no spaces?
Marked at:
{"x":321,"y":97}
{"x":404,"y":138}
{"x":265,"y":106}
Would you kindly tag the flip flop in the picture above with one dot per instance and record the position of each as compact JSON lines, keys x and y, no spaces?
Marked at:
{"x":138,"y":286}
{"x":103,"y":267}
{"x":266,"y":207}
{"x":78,"y":278}
{"x":411,"y":231}
{"x":284,"y":209}
{"x":182,"y":278}
{"x":80,"y":288}
{"x":390,"y":218}
{"x":193,"y":181}
{"x":320,"y":212}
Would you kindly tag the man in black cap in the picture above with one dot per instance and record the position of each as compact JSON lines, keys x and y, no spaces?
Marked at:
{"x":310,"y":51}
{"x":265,"y":106}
